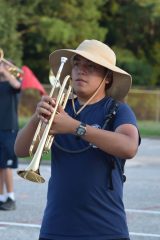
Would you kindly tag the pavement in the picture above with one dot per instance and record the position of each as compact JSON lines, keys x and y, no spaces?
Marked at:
{"x":141,"y":198}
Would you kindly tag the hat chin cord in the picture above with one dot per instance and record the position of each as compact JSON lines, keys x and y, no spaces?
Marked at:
{"x":89,"y":100}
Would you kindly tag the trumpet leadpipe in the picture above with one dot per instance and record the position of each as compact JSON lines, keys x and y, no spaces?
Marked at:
{"x":63,"y":103}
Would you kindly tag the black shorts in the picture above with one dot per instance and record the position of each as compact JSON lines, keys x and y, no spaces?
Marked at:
{"x":8,"y":158}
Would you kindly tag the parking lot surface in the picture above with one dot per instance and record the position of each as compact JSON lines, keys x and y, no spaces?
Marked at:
{"x":141,"y":198}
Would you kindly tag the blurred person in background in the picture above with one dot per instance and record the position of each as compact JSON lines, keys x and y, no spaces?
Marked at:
{"x":9,"y":93}
{"x":85,"y":190}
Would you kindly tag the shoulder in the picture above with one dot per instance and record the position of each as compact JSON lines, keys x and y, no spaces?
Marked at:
{"x":125,"y":108}
{"x":124,"y":115}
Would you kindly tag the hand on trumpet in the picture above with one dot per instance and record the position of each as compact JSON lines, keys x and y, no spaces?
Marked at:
{"x":3,"y":69}
{"x":45,"y":108}
{"x":62,"y":122}
{"x":5,"y":75}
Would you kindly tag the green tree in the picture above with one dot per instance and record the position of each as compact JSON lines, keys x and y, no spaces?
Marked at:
{"x":47,"y":25}
{"x":10,"y":41}
{"x":134,"y":26}
{"x":31,"y":30}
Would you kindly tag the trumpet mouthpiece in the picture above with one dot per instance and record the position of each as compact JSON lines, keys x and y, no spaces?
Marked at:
{"x":63,"y":59}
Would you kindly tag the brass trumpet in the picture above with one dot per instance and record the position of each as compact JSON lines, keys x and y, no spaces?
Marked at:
{"x":32,"y":172}
{"x":14,"y":70}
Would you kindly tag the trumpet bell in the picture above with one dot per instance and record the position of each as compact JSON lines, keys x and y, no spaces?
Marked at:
{"x":33,"y":176}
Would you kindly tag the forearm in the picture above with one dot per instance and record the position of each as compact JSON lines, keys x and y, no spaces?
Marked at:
{"x":12,"y":80}
{"x":114,"y":143}
{"x":25,"y":137}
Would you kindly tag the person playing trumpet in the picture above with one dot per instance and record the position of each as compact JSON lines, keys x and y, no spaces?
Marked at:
{"x":85,"y":191}
{"x":9,"y":92}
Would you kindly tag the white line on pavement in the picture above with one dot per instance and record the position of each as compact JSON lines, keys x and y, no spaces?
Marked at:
{"x":20,"y":224}
{"x":144,"y":234}
{"x":143,"y":211}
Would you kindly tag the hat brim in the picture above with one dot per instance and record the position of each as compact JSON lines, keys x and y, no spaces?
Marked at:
{"x":121,"y":79}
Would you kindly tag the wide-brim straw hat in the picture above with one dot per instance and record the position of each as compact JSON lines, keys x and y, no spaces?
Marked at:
{"x":101,"y":54}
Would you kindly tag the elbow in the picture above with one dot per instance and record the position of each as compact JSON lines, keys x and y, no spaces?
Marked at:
{"x":18,"y":149}
{"x":131,"y":152}
{"x":21,"y":150}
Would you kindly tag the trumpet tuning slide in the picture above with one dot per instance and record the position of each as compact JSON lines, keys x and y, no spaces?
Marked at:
{"x":33,"y":176}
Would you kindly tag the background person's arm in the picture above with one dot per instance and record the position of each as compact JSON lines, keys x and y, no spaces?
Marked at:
{"x":10,"y":78}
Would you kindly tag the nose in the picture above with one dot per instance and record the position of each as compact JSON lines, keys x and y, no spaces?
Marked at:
{"x":82,"y":68}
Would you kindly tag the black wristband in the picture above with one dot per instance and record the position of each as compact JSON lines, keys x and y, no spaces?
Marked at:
{"x":81,"y":130}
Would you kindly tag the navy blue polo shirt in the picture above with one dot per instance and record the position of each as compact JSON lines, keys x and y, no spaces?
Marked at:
{"x":80,"y":204}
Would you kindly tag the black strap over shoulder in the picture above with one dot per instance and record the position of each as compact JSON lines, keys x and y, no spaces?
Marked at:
{"x":108,"y":126}
{"x":111,"y":113}
{"x":109,"y":119}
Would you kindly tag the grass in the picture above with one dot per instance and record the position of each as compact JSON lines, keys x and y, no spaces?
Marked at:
{"x":23,"y":121}
{"x":149,"y":129}
{"x":45,"y":157}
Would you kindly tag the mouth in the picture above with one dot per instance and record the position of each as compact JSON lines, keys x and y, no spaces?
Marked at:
{"x":80,"y":80}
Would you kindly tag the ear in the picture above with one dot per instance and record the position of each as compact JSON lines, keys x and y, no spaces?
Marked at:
{"x":107,"y":81}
